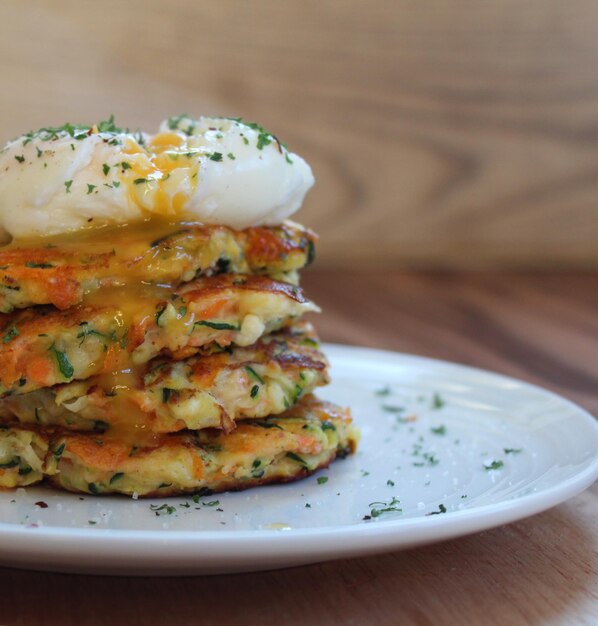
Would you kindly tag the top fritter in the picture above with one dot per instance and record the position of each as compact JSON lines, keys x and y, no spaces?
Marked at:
{"x":209,"y":170}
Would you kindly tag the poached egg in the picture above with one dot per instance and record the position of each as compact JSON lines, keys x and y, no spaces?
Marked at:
{"x":211,"y":170}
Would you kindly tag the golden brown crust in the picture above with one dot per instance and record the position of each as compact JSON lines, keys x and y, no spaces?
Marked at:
{"x":62,"y":274}
{"x":218,"y":310}
{"x":206,"y":286}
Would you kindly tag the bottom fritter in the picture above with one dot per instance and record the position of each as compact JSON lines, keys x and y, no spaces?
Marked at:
{"x":276,"y":449}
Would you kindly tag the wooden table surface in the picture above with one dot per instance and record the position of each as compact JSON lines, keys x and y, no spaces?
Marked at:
{"x":543,"y":570}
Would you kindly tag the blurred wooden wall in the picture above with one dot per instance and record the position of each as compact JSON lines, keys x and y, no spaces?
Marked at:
{"x":441,"y":133}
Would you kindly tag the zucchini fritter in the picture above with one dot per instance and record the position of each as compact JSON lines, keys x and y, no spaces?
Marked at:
{"x":63,"y":272}
{"x":209,"y":391}
{"x":277,"y":449}
{"x":41,"y":347}
{"x":282,"y":448}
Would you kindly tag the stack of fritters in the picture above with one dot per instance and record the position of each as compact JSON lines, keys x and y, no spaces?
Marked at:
{"x":162,"y":360}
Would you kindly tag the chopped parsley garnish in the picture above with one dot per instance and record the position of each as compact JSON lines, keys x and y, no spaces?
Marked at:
{"x":42,"y":265}
{"x":385,"y":507}
{"x":38,"y":151}
{"x":58,"y":452}
{"x":263,"y":139}
{"x":159,"y":312}
{"x":162,"y":509}
{"x":437,"y":401}
{"x":308,"y":341}
{"x":10,"y":334}
{"x":392,"y":409}
{"x":297,"y":458}
{"x":108,"y":126}
{"x":116,"y":477}
{"x":311,"y":253}
{"x":322,"y":480}
{"x":265,"y":424}
{"x":253,"y":374}
{"x":216,"y":156}
{"x":385,"y":391}
{"x":64,"y":365}
{"x":432,"y":459}
{"x":67,"y":185}
{"x":125,"y":165}
{"x":20,"y":158}
{"x":257,"y":471}
{"x":173,"y":122}
{"x":100,"y":426}
{"x":90,"y":188}
{"x":105,"y":169}
{"x":254,"y":391}
{"x":439,"y":430}
{"x":76,"y":131}
{"x":139,"y":181}
{"x":441,"y":509}
{"x":12,"y":463}
{"x":217,"y":325}
{"x":512,"y":450}
{"x":390,"y":483}
{"x":189,"y":130}
{"x":231,"y":156}
{"x":494,"y":465}
{"x":87,"y":332}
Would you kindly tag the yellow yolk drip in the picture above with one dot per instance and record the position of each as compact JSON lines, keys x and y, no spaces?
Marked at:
{"x":153,"y":174}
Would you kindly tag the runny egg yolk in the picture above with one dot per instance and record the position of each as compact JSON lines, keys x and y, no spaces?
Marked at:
{"x":154,"y":174}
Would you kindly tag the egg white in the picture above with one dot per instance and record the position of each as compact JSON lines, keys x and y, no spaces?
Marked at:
{"x":210,"y":170}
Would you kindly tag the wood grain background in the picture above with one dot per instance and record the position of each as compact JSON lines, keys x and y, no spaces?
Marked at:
{"x":441,"y":133}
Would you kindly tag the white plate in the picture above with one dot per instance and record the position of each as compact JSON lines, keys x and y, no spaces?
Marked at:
{"x":432,"y":455}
